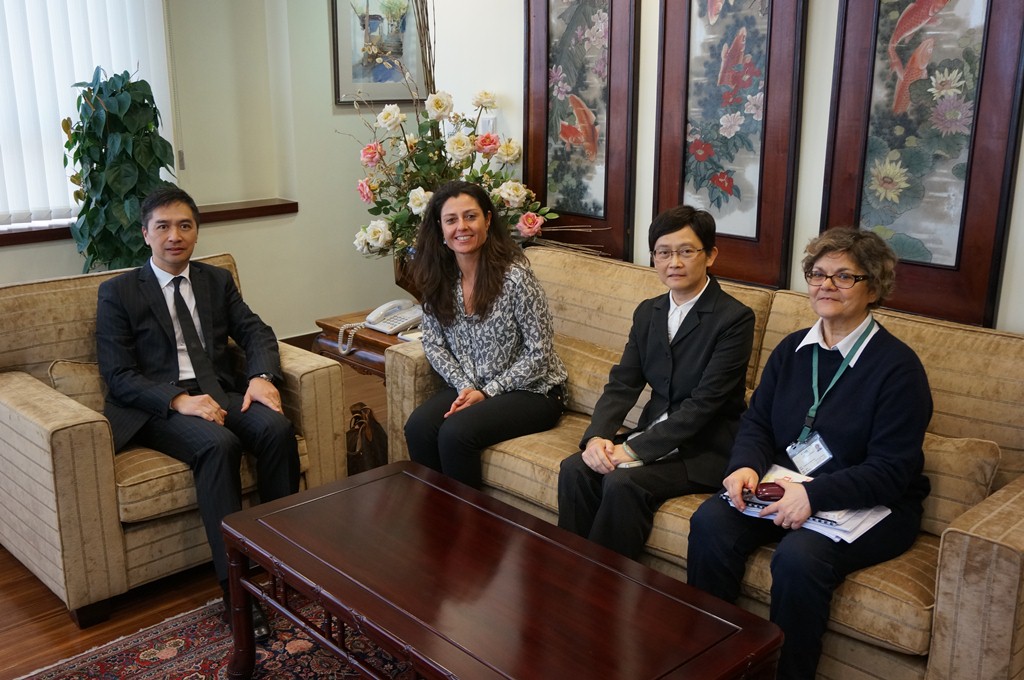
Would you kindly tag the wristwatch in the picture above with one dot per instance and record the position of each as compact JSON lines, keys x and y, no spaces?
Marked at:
{"x":269,"y":377}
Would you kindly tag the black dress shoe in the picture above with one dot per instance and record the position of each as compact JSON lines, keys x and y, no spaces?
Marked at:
{"x":260,"y":627}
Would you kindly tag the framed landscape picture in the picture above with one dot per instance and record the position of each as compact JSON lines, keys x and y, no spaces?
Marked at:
{"x":373,"y":41}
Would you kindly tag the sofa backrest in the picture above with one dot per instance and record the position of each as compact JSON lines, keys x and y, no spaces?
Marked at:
{"x":976,"y":374}
{"x":41,"y":321}
{"x":592,"y":300}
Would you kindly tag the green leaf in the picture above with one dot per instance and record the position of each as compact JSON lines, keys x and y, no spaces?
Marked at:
{"x":163,"y":150}
{"x":122,"y":175}
{"x":138,"y":116}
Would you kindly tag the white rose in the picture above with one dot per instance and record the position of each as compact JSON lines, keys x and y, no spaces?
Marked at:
{"x":514,"y":193}
{"x":411,"y":141}
{"x":378,"y":235}
{"x":361,"y":244}
{"x":485,"y":99}
{"x":460,"y":147}
{"x":390,"y":118}
{"x":509,"y":151}
{"x":418,"y":199}
{"x":439,"y":105}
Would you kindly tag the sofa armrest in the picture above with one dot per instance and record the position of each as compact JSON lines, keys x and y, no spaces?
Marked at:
{"x":57,"y":492}
{"x":978,"y":625}
{"x":410,"y":381}
{"x":313,"y":398}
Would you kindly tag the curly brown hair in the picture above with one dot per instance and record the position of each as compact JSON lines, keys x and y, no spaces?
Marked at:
{"x":435,"y":270}
{"x":870,"y":251}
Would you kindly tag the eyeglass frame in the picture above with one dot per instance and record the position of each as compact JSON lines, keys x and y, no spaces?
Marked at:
{"x":669,"y":253}
{"x":857,"y":278}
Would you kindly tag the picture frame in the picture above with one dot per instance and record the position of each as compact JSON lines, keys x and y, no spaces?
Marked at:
{"x":963,"y":284}
{"x":370,"y":76}
{"x":709,"y":151}
{"x":581,"y":83}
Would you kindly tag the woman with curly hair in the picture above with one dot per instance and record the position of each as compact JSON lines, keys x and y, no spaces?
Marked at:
{"x":486,"y":331}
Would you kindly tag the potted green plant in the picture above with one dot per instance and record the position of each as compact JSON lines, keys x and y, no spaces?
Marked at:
{"x":118,"y":153}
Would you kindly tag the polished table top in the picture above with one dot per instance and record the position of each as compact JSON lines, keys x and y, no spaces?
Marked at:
{"x":477,"y":588}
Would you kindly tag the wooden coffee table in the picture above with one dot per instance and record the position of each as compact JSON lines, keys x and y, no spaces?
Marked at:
{"x":458,"y":584}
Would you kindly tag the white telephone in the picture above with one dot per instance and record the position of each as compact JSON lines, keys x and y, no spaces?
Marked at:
{"x":395,"y":316}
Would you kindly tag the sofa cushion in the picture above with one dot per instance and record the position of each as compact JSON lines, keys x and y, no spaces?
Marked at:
{"x":79,"y":380}
{"x":528,"y":466}
{"x":961,"y":472}
{"x":588,"y":366}
{"x":151,"y":484}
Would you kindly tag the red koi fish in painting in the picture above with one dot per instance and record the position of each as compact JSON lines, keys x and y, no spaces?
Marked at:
{"x":584,"y":132}
{"x":915,"y":16}
{"x":917,"y":69}
{"x":729,"y":73}
{"x":714,"y":9}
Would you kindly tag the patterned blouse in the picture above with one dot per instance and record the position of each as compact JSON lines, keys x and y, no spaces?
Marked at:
{"x":510,"y":350}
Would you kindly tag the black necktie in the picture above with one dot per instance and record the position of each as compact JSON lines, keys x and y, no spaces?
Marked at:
{"x":201,"y":363}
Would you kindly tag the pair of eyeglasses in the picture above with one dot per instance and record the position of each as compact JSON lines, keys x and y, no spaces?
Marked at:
{"x":840,"y":280}
{"x":664,"y":254}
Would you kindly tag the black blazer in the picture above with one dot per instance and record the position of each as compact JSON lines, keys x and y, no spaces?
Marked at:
{"x":699,"y":380}
{"x":136,"y":349}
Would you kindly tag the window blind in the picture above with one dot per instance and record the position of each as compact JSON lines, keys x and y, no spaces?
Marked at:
{"x":46,"y":46}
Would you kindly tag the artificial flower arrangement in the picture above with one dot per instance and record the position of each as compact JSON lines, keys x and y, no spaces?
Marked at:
{"x":406,"y":161}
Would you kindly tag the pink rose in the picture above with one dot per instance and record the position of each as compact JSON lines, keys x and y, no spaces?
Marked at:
{"x":488,"y":144}
{"x":371,"y":154}
{"x":529,"y":224}
{"x":365,"y":190}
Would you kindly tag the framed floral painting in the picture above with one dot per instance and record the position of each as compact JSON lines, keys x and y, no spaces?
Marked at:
{"x":926,"y":127}
{"x":728,"y":116}
{"x":371,"y":40}
{"x":580,"y":113}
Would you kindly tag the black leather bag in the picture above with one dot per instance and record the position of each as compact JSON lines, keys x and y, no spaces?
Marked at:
{"x":366,"y":440}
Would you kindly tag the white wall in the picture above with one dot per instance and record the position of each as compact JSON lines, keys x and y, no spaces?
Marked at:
{"x":255,"y":117}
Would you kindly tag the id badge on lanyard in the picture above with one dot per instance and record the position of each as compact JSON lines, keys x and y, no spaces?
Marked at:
{"x":809,"y":451}
{"x":809,"y":455}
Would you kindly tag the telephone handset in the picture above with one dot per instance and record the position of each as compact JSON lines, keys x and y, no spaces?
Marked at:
{"x":395,"y":316}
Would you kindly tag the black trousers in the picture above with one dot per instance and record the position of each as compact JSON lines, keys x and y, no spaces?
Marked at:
{"x":616,"y":510}
{"x":806,"y":569}
{"x":452,"y":445}
{"x":214,"y":453}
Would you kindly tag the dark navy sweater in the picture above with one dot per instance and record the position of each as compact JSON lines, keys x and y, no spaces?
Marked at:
{"x":873,"y":421}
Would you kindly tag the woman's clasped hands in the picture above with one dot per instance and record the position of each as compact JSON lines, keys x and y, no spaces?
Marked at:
{"x":791,"y":511}
{"x":467,"y":397}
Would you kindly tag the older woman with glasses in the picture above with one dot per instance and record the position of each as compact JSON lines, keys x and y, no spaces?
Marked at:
{"x":845,"y":403}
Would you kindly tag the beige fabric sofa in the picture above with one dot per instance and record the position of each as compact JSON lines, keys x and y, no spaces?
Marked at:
{"x":952,"y":607}
{"x":88,"y":523}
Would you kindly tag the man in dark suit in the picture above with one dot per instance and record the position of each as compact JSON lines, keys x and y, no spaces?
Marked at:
{"x":691,"y":346}
{"x":171,"y":380}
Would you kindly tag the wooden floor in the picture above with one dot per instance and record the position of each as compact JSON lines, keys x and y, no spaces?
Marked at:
{"x":36,"y":630}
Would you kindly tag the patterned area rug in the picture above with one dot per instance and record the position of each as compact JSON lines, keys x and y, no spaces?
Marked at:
{"x":197,"y":646}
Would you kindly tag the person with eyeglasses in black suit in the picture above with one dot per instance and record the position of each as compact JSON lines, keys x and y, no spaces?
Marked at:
{"x":846,"y":403}
{"x":691,"y":346}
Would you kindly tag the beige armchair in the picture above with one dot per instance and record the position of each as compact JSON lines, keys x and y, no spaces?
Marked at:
{"x":90,"y":524}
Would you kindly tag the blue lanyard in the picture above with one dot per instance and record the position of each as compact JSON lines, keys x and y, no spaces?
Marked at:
{"x":813,"y":411}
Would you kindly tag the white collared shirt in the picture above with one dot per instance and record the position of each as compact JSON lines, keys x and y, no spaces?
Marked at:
{"x":676,"y":313}
{"x":816,"y":337}
{"x":166,"y":281}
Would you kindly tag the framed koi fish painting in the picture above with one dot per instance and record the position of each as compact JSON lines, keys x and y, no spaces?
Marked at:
{"x":925,"y":125}
{"x":580,"y":113}
{"x":728,"y":122}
